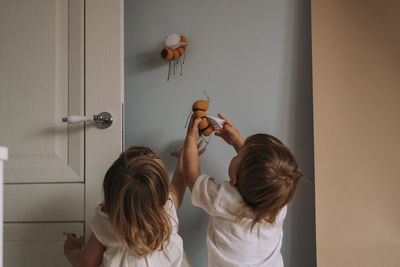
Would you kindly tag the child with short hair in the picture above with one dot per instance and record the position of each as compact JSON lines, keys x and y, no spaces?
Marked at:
{"x":137,"y":224}
{"x":247,"y":213}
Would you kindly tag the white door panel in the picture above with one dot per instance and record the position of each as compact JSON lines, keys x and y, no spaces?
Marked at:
{"x":3,"y":157}
{"x":39,"y":168}
{"x":38,"y":202}
{"x":37,"y":244}
{"x":35,"y":88}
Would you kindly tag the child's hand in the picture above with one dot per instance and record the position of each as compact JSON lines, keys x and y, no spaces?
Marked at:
{"x":230,"y":133}
{"x":72,"y":243}
{"x":178,"y":153}
{"x":193,"y":128}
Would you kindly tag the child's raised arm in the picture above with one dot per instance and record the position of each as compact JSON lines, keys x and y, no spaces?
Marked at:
{"x":178,"y":182}
{"x":230,"y":133}
{"x":191,"y":162}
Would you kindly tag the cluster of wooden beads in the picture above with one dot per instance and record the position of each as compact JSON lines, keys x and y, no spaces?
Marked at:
{"x":174,"y":52}
{"x":199,"y":109}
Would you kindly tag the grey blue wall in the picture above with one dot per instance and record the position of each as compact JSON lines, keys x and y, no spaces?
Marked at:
{"x":253,"y":58}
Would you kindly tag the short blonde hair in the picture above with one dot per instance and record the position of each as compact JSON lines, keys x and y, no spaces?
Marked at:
{"x":135,"y":192}
{"x":267,"y":177}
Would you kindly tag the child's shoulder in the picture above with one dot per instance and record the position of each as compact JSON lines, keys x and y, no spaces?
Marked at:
{"x":103,"y":229}
{"x":169,"y":206}
{"x":231,"y":202}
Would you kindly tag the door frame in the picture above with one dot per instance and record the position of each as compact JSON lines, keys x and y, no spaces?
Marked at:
{"x":3,"y":157}
{"x":104,"y":84}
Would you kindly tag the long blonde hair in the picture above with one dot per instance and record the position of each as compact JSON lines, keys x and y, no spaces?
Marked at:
{"x":135,"y":192}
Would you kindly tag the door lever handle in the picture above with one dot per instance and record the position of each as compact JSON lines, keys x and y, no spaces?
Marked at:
{"x":102,"y":120}
{"x":76,"y":119}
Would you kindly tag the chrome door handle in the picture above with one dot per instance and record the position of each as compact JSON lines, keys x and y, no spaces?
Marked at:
{"x":102,"y":120}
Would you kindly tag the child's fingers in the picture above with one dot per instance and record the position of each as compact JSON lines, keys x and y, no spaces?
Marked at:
{"x":221,"y":132}
{"x":71,"y":235}
{"x":196,"y":123}
{"x":218,"y":133}
{"x":176,"y":153}
{"x":217,"y":128}
{"x":200,"y":143}
{"x":224,"y":118}
{"x":202,"y":151}
{"x":226,"y":126}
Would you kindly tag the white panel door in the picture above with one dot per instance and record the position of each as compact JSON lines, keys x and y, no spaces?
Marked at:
{"x":37,"y":244}
{"x":43,"y":203}
{"x":57,"y":58}
{"x":35,"y":84}
{"x":3,"y":157}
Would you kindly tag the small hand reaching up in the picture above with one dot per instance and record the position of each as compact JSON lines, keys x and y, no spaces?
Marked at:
{"x":230,"y":133}
{"x":193,"y":128}
{"x":91,"y":255}
{"x":72,"y":243}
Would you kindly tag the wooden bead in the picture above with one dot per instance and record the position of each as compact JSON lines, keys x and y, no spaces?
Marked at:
{"x":176,"y":54}
{"x":208,"y":131}
{"x":200,"y":113}
{"x":167,"y":53}
{"x":200,"y":105}
{"x":199,"y":109}
{"x":181,"y":51}
{"x":183,"y":39}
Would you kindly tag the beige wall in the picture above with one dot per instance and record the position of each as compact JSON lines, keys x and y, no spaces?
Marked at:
{"x":356,"y":72}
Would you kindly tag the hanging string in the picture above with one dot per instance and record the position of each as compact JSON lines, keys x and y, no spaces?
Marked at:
{"x":208,"y":98}
{"x":209,"y":138}
{"x":187,"y":120}
{"x":206,"y":141}
{"x":202,"y":137}
{"x":169,"y":69}
{"x":180,"y":61}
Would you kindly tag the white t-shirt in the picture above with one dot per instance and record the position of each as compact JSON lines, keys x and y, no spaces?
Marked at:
{"x":230,"y":242}
{"x":117,"y":254}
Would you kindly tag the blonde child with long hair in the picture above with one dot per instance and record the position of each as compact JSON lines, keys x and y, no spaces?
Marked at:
{"x":137,"y":224}
{"x":246,"y":213}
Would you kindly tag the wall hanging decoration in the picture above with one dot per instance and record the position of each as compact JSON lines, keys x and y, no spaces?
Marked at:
{"x":199,"y":109}
{"x":174,"y":52}
{"x":208,"y":124}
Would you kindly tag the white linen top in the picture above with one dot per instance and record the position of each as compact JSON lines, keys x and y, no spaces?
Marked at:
{"x":118,"y":255}
{"x":229,"y":241}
